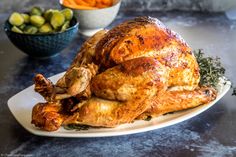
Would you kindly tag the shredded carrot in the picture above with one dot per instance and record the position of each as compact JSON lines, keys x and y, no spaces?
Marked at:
{"x":81,"y":2}
{"x":87,"y":4}
{"x":84,"y":7}
{"x":71,"y":2}
{"x":107,"y":2}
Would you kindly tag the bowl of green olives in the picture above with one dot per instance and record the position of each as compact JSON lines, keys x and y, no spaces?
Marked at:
{"x":41,"y":34}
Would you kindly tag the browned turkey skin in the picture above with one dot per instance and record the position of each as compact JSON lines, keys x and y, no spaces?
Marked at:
{"x":136,"y":70}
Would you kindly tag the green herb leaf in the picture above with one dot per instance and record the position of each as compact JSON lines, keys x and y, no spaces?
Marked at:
{"x":234,"y":91}
{"x":148,"y":118}
{"x":210,"y":69}
{"x":76,"y":127}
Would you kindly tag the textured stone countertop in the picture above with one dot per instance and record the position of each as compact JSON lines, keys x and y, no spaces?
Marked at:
{"x":212,"y":133}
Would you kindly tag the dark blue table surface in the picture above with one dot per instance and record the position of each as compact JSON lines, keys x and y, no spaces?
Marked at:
{"x":212,"y":133}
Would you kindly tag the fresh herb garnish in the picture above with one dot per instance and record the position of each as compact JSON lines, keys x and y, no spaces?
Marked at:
{"x":234,"y":91}
{"x":148,"y":118}
{"x":210,"y":69}
{"x":76,"y":127}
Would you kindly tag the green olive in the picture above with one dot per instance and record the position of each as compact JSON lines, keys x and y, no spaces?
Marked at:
{"x":16,"y":19}
{"x":47,"y":14}
{"x":26,"y":18}
{"x":55,"y":10}
{"x":57,"y":20}
{"x":16,"y":29}
{"x":65,"y":26}
{"x":30,"y":29}
{"x":68,"y":13}
{"x":36,"y":11}
{"x":22,"y":26}
{"x":46,"y":28}
{"x":37,"y":20}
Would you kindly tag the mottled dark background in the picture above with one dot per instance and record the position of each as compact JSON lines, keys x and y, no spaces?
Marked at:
{"x":134,"y":5}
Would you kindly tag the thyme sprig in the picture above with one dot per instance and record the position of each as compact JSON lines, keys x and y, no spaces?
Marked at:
{"x":234,"y":91}
{"x":76,"y":127}
{"x":211,"y":69}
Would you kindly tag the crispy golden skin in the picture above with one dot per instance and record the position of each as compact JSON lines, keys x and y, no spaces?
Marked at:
{"x":139,"y":85}
{"x":124,"y":80}
{"x":171,"y":101}
{"x":87,"y":51}
{"x":76,"y":80}
{"x":47,"y":116}
{"x":108,"y":113}
{"x":138,"y":69}
{"x":148,"y":37}
{"x":133,"y":83}
{"x":44,"y":87}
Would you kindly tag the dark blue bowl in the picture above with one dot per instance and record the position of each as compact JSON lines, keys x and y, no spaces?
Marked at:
{"x":42,"y":45}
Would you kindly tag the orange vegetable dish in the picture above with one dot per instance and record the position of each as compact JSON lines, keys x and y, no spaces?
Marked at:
{"x":87,"y":4}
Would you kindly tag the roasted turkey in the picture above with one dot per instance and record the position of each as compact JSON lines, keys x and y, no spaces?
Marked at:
{"x":137,"y":70}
